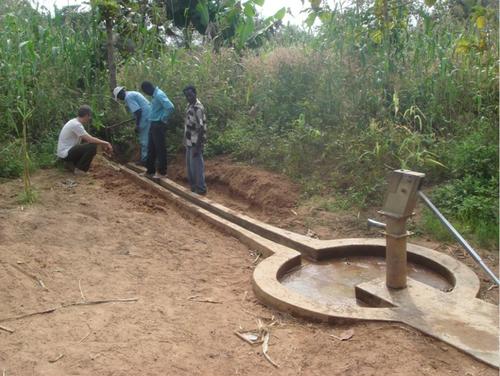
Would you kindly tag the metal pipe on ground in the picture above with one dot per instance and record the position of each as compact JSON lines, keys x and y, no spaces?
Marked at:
{"x":458,"y":237}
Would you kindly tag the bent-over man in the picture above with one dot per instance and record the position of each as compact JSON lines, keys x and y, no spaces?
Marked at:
{"x":141,"y":108}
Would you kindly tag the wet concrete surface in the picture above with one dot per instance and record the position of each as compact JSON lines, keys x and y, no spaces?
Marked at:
{"x":333,"y":281}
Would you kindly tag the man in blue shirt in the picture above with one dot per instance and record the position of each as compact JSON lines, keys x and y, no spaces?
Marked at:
{"x":141,"y":108}
{"x":161,"y":110}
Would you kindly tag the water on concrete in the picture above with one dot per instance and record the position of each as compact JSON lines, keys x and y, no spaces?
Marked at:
{"x":333,"y":281}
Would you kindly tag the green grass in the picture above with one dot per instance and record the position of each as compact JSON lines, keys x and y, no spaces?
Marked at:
{"x":11,"y":165}
{"x":430,"y":225}
{"x":27,"y":197}
{"x":482,"y":234}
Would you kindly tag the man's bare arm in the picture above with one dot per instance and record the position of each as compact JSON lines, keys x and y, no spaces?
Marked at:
{"x":94,"y":140}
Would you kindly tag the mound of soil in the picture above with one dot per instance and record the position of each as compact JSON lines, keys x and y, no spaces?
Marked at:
{"x":262,"y":190}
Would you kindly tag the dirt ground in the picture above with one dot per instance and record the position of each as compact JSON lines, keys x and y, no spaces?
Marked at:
{"x":102,"y":237}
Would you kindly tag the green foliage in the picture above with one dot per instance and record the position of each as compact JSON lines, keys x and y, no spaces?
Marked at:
{"x":108,"y":9}
{"x":431,"y":225}
{"x":483,"y":233}
{"x":11,"y":163}
{"x":469,"y":199}
{"x":472,"y":201}
{"x":225,"y":23}
{"x":328,"y":113}
{"x":41,"y":155}
{"x":48,"y":67}
{"x":377,"y":86}
{"x":27,"y":197}
{"x":43,"y":151}
{"x":475,"y":154}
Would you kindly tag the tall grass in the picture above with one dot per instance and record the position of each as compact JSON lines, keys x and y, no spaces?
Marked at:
{"x":335,"y":109}
{"x":48,"y":67}
{"x":339,"y":109}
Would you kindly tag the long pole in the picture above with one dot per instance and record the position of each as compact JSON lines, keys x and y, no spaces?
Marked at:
{"x":120,"y":123}
{"x":459,"y":237}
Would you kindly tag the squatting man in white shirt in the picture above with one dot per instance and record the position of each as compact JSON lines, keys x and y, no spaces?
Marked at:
{"x":69,"y":147}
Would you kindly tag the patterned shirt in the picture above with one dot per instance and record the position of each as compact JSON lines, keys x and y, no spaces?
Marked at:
{"x":196,"y":122}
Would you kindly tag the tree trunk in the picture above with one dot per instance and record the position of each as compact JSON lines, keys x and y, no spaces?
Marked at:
{"x":386,"y":13}
{"x":111,"y":55}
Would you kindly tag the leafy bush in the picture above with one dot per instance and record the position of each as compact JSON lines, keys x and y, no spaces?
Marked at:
{"x":474,"y":204}
{"x":43,"y":153}
{"x":475,"y":154}
{"x":471,"y":197}
{"x":11,"y":163}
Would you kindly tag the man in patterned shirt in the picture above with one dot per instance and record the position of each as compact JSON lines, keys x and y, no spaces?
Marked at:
{"x":195,"y":137}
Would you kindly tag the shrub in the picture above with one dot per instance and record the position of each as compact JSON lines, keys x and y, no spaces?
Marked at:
{"x":11,"y":163}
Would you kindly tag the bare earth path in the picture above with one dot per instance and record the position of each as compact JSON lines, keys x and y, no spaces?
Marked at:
{"x":103,"y":237}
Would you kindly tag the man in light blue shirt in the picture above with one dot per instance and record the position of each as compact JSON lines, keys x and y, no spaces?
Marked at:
{"x":141,"y":108}
{"x":161,"y":110}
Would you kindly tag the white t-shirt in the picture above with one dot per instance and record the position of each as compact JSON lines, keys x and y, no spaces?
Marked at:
{"x":71,"y":135}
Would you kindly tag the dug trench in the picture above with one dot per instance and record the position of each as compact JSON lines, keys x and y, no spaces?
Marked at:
{"x":100,"y":237}
{"x":269,"y":197}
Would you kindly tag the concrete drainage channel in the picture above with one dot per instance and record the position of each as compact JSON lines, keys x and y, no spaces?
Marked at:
{"x":343,"y":279}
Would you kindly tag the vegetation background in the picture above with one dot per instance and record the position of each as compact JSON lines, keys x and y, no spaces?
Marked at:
{"x":376,"y":85}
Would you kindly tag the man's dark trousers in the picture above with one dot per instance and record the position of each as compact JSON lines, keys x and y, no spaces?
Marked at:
{"x":156,"y":148}
{"x":82,"y":155}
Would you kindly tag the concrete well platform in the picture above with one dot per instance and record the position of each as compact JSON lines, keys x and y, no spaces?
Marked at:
{"x":310,"y":278}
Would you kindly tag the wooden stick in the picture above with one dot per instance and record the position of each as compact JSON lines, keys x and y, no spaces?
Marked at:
{"x":6,"y":329}
{"x":265,"y":347}
{"x":70,"y":305}
{"x":84,"y":338}
{"x":94,"y":302}
{"x":81,"y":291}
{"x":34,"y":277}
{"x":270,"y":360}
{"x":120,"y":123}
{"x":246,"y":339}
{"x":206,"y":301}
{"x":193,"y":299}
{"x":56,"y":359}
{"x":29,"y":314}
{"x":90,"y":332}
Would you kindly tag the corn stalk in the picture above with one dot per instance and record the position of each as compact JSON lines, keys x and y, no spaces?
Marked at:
{"x":29,"y":195}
